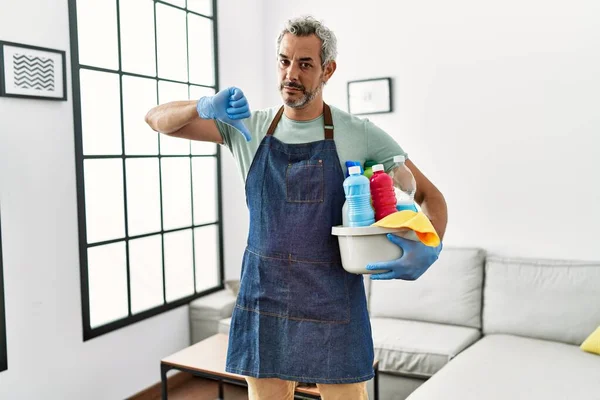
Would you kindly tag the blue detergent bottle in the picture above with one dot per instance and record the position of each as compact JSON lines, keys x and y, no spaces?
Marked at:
{"x":358,"y":199}
{"x":352,"y":164}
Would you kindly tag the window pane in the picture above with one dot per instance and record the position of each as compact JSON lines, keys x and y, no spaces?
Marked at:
{"x":172,"y":44}
{"x":95,"y":17}
{"x":203,"y":7}
{"x":179,"y":268}
{"x":143,"y":196}
{"x":105,"y":218}
{"x":196,"y":92}
{"x":204,"y":175}
{"x":100,"y":113}
{"x":107,"y":279}
{"x":169,"y":91}
{"x":206,"y":244}
{"x":200,"y":91}
{"x":201,"y":50}
{"x":139,"y":96}
{"x":137,"y":37}
{"x":176,"y":193}
{"x":179,"y":3}
{"x":203,"y":148}
{"x":145,"y":271}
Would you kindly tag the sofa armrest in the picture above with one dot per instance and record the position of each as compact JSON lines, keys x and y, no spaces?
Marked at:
{"x":206,"y":312}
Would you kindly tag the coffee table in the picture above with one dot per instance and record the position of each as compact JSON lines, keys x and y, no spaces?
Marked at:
{"x":207,"y":359}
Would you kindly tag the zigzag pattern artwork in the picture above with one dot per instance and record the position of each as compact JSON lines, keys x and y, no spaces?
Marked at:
{"x":33,"y":72}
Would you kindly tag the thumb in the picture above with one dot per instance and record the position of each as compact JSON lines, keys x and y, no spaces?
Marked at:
{"x":235,"y":93}
{"x":239,"y":125}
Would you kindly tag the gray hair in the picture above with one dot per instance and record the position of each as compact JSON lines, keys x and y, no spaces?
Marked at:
{"x":306,"y":26}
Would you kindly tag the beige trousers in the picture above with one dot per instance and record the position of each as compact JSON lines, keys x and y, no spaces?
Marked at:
{"x":278,"y":389}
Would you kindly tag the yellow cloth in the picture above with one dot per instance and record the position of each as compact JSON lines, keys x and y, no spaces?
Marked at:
{"x":592,"y":343}
{"x":415,"y":221}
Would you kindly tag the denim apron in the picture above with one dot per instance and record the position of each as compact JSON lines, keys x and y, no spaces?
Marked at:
{"x":299,"y":315}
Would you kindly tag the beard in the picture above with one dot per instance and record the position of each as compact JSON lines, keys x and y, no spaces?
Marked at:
{"x":307,"y":95}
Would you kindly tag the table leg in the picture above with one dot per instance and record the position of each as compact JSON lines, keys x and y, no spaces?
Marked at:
{"x":376,"y":383}
{"x":221,"y":395}
{"x":163,"y":380}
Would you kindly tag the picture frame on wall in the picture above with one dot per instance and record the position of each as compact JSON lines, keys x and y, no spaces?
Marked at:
{"x":32,"y":72}
{"x":370,"y":96}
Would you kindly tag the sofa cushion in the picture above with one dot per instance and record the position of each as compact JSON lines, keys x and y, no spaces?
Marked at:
{"x":206,"y":313}
{"x":500,"y":367}
{"x":224,"y":325}
{"x":214,"y":306}
{"x":449,"y":292}
{"x":418,"y":348}
{"x":552,"y":300}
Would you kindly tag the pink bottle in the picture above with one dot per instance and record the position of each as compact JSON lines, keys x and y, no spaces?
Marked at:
{"x":382,"y":193}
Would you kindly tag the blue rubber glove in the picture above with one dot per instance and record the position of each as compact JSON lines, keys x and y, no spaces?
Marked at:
{"x":415,"y":260}
{"x":229,"y":106}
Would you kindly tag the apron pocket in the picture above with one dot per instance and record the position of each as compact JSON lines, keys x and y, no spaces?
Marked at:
{"x":304,"y":182}
{"x":319,"y":292}
{"x":297,"y":290}
{"x":264,"y":286}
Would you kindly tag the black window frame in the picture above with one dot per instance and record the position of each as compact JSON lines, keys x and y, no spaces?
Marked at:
{"x":3,"y":346}
{"x":88,"y":331}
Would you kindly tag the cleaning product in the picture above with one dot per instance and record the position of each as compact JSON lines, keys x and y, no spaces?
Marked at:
{"x":382,"y":192}
{"x":369,"y":168}
{"x":405,"y":185}
{"x":345,"y":206}
{"x":351,"y":164}
{"x":358,"y":199}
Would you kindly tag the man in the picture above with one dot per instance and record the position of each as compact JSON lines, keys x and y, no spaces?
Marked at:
{"x":299,"y":316}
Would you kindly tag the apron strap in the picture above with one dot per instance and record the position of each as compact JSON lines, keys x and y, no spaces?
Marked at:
{"x":328,"y":122}
{"x":271,"y":130}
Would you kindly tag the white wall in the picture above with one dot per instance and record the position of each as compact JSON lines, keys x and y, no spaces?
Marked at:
{"x":497,"y":102}
{"x":241,"y":63}
{"x":47,"y":357}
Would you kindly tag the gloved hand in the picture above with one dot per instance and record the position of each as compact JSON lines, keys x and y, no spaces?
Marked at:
{"x":229,"y":106}
{"x":415,"y":260}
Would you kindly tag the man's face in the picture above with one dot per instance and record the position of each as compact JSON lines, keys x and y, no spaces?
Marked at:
{"x":301,"y":76}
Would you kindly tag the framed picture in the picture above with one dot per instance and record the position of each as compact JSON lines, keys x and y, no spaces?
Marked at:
{"x":32,"y":72}
{"x":370,"y":96}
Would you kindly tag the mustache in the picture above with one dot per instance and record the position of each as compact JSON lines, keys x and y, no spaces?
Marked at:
{"x":292,"y":85}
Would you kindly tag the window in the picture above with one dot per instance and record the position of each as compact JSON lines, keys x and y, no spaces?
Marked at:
{"x":150,"y":227}
{"x":3,"y":358}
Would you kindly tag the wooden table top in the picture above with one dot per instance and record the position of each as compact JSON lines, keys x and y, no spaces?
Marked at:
{"x":209,"y":356}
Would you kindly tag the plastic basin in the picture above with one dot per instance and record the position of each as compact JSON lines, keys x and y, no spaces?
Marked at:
{"x":366,"y":245}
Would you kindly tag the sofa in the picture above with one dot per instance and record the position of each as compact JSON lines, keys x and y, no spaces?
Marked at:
{"x":474,"y":326}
